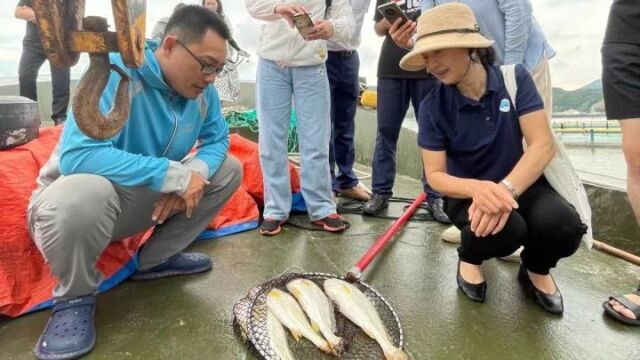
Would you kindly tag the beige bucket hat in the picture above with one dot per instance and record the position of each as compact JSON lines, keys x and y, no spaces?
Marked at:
{"x":447,"y":26}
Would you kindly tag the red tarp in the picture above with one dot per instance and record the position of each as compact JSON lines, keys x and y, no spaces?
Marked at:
{"x":25,"y":279}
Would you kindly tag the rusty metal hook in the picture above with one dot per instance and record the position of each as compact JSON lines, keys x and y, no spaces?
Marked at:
{"x":86,"y":99}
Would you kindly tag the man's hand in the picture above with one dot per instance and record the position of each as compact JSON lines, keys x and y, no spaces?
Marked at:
{"x":288,"y":10}
{"x":166,"y":206}
{"x":194,"y":192}
{"x":492,"y":198}
{"x":402,"y":34}
{"x":322,"y":30}
{"x":483,"y":224}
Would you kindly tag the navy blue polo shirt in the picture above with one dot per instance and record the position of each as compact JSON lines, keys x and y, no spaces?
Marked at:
{"x":482,"y":139}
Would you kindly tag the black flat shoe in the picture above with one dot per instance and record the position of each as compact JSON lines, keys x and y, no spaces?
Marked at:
{"x":475,"y":292}
{"x":550,"y":302}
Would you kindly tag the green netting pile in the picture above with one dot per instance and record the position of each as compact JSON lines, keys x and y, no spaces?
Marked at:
{"x":243,"y":117}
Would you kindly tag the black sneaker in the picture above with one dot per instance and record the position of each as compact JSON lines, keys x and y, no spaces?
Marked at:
{"x":437,"y":211}
{"x":377,"y":203}
{"x":270,"y":227}
{"x":332,"y":223}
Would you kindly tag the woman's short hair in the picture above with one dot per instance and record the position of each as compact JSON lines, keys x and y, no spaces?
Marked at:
{"x":485,"y":56}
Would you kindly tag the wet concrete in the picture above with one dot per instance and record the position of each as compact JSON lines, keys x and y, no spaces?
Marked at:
{"x":191,"y":317}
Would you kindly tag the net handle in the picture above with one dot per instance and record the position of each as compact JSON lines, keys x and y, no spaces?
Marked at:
{"x":382,"y":241}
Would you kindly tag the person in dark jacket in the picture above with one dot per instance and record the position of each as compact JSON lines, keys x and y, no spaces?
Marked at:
{"x":33,"y":56}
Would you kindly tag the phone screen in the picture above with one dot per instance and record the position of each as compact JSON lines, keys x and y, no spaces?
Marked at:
{"x":303,"y":23}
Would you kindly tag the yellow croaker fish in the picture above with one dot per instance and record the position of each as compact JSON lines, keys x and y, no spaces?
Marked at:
{"x":319,"y":310}
{"x":289,"y":313}
{"x":277,"y":337}
{"x":353,"y":304}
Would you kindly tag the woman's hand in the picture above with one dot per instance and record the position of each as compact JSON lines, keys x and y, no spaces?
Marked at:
{"x":402,"y":34}
{"x":492,"y":198}
{"x":288,"y":10}
{"x":483,"y":224}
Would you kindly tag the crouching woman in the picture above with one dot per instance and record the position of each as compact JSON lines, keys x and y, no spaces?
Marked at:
{"x":471,"y":137}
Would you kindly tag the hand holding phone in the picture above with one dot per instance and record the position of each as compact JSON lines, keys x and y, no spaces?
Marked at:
{"x":303,"y":23}
{"x":402,"y":35}
{"x":391,"y":11}
{"x":322,"y":30}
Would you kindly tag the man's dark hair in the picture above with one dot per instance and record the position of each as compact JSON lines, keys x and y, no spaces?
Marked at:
{"x":191,"y":22}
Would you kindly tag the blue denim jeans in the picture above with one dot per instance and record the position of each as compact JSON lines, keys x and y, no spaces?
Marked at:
{"x":308,"y":88}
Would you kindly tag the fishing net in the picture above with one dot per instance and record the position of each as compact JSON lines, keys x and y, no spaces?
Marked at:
{"x":250,"y":320}
{"x":243,"y":117}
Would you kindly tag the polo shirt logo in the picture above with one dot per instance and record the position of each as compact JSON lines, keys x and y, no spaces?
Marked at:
{"x":504,"y":105}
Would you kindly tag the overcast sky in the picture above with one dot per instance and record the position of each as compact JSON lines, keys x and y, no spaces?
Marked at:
{"x":574,"y":28}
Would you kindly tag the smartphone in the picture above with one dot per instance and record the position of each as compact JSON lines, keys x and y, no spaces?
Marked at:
{"x":303,"y":23}
{"x":391,"y":11}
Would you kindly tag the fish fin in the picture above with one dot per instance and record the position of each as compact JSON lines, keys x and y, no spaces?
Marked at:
{"x":396,"y":354}
{"x":296,"y":292}
{"x":315,"y":326}
{"x":346,"y":289}
{"x":296,"y":334}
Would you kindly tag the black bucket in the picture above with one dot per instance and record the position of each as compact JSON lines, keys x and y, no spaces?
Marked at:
{"x":19,"y":121}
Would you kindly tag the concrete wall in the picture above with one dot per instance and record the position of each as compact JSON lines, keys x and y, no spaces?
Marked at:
{"x":247,"y":97}
{"x":408,"y":153}
{"x":44,"y":98}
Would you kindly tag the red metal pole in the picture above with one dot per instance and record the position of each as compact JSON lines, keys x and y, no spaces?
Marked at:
{"x":366,"y":259}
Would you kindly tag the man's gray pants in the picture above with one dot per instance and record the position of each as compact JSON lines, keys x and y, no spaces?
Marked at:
{"x":76,"y":217}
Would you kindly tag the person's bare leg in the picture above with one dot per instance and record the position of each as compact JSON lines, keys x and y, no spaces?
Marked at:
{"x":631,"y":149}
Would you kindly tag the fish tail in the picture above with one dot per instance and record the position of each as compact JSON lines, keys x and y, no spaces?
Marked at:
{"x":338,"y":345}
{"x":396,"y":354}
{"x":324,"y":346}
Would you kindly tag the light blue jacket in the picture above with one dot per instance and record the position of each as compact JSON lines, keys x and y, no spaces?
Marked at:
{"x":518,"y":37}
{"x":162,"y":128}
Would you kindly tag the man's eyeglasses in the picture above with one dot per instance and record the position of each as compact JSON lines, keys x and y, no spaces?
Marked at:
{"x":207,"y":69}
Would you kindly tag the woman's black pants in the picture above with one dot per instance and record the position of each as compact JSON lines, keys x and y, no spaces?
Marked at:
{"x":546,"y":225}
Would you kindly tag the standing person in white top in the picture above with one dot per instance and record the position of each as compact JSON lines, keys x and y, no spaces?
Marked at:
{"x":291,"y":66}
{"x":228,"y":81}
{"x":343,"y":66}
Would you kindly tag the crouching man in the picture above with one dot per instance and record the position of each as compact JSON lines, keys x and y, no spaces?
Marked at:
{"x":93,"y":192}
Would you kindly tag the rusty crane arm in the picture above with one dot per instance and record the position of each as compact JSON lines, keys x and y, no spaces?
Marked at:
{"x":66,"y":33}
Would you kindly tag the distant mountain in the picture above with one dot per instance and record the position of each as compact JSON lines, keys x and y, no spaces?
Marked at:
{"x":585,"y":100}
